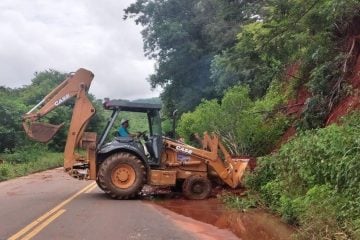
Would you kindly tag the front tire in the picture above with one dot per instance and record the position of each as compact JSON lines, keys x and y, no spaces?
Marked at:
{"x":122,"y":175}
{"x":196,"y":188}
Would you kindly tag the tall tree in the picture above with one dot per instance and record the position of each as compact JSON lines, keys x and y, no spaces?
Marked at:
{"x":183,"y":37}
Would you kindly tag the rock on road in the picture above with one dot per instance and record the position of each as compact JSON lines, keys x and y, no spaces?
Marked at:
{"x":52,"y":205}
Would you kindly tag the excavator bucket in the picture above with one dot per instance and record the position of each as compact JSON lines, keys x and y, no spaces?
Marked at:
{"x":41,"y":132}
{"x":240,"y":166}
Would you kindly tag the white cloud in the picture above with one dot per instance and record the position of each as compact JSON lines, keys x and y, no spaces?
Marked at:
{"x":65,"y":35}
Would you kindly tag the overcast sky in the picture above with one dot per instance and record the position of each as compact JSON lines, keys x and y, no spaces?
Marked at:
{"x":65,"y":35}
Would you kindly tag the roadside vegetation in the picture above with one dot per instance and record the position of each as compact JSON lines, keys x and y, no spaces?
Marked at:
{"x":312,"y":182}
{"x":28,"y":160}
{"x":239,"y":120}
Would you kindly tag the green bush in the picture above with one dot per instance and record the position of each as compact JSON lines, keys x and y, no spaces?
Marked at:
{"x":26,"y":153}
{"x":313,"y":181}
{"x":241,"y":122}
{"x":5,"y":171}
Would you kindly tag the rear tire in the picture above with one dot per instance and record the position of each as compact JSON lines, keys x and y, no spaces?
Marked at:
{"x":196,"y":188}
{"x":121,"y":175}
{"x":98,"y":183}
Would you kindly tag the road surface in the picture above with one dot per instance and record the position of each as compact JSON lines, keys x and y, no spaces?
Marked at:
{"x":52,"y":205}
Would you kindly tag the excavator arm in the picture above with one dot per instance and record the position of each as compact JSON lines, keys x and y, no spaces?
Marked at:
{"x":75,"y":86}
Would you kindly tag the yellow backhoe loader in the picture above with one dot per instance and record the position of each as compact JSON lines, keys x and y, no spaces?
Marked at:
{"x":122,"y":166}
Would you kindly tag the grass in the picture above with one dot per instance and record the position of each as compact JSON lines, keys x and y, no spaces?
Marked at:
{"x":45,"y":160}
{"x":242,"y":203}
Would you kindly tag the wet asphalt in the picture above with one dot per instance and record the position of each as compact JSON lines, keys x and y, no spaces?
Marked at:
{"x":46,"y":201}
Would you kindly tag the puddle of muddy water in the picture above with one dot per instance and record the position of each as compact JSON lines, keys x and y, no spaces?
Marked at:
{"x":251,"y":225}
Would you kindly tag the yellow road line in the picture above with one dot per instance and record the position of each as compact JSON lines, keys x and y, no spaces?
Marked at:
{"x":90,"y":189}
{"x":47,"y":214}
{"x":40,"y":227}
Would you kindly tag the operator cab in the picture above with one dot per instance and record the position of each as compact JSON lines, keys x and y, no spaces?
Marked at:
{"x":153,"y":142}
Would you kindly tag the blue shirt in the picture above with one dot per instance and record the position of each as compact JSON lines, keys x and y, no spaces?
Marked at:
{"x":123,"y":132}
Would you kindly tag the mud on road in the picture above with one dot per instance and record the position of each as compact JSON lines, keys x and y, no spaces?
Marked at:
{"x":250,"y":225}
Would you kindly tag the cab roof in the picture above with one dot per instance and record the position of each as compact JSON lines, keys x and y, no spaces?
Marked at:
{"x":128,"y":106}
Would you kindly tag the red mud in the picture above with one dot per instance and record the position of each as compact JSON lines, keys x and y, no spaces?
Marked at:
{"x":250,"y":225}
{"x":349,"y":104}
{"x":294,"y":106}
{"x":200,"y":230}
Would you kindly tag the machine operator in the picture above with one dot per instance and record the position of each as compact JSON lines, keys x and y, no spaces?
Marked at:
{"x":123,"y":130}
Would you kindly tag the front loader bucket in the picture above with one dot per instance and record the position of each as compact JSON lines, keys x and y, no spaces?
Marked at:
{"x":240,"y":165}
{"x":41,"y":132}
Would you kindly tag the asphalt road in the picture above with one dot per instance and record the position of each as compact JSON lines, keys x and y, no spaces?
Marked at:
{"x":52,"y":205}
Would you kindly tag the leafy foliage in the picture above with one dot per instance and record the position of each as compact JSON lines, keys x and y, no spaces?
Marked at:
{"x":291,"y":31}
{"x":10,"y":121}
{"x":313,"y":181}
{"x":239,"y":120}
{"x":183,"y":37}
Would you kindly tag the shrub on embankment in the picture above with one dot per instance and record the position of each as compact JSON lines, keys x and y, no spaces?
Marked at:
{"x":28,"y":160}
{"x":246,"y":126}
{"x":313,"y":181}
